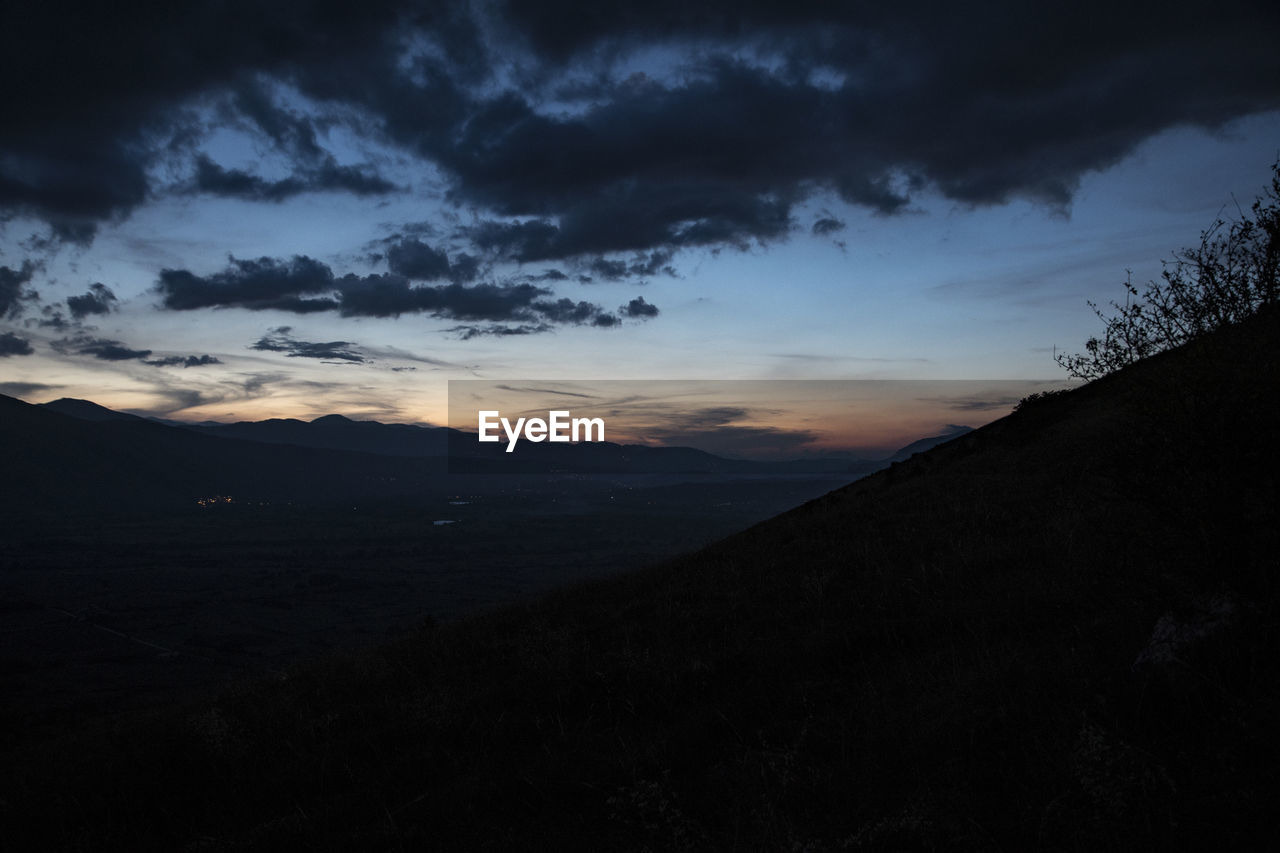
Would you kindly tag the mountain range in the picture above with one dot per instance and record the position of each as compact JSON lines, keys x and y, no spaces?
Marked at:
{"x":75,"y":454}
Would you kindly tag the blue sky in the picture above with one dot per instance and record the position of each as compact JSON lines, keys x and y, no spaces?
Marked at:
{"x":790,"y":196}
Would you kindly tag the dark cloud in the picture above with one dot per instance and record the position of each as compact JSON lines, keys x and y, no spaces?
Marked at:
{"x":827,"y":225}
{"x":99,"y":348}
{"x":328,"y":176}
{"x":568,"y":311}
{"x":215,"y":180}
{"x":529,"y":112}
{"x":532,"y":390}
{"x":464,"y":268}
{"x":184,"y":361}
{"x":255,"y":384}
{"x":262,"y":284}
{"x":639,"y":308}
{"x":181,"y":399}
{"x":652,"y":263}
{"x":95,"y":95}
{"x":415,"y":259}
{"x":11,"y":344}
{"x":520,"y":240}
{"x":303,"y":286}
{"x":99,"y":300}
{"x":113,"y":351}
{"x":13,"y":290}
{"x":877,"y":192}
{"x":291,"y":131}
{"x":870,"y":104}
{"x":975,"y":403}
{"x":707,"y":417}
{"x":638,"y":216}
{"x":53,"y":318}
{"x":281,"y":340}
{"x":408,"y":255}
{"x":715,"y":429}
{"x":611,"y":270}
{"x":404,"y":355}
{"x":893,"y":72}
{"x":23,"y":389}
{"x":497,"y":330}
{"x":391,"y":296}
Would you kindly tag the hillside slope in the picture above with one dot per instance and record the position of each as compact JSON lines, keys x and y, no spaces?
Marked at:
{"x":1056,"y":632}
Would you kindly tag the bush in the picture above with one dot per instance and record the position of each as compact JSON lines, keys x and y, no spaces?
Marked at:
{"x":1036,"y":398}
{"x":1230,"y":277}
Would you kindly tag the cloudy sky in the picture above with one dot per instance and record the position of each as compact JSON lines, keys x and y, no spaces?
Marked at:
{"x":240,"y":210}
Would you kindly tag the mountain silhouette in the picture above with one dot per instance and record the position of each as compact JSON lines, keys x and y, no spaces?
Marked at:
{"x":210,"y":469}
{"x":100,"y":460}
{"x":86,"y":410}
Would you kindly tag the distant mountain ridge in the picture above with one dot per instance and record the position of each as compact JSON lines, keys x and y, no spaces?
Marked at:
{"x":87,"y":410}
{"x":74,"y":455}
{"x":337,"y":432}
{"x":923,"y":444}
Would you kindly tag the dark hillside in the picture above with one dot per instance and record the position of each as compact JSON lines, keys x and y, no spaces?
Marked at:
{"x":1055,"y":632}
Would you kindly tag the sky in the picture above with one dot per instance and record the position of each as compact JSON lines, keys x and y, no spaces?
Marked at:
{"x":237,"y":210}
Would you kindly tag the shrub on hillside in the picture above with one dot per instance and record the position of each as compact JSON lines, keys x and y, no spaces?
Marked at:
{"x":1228,"y":278}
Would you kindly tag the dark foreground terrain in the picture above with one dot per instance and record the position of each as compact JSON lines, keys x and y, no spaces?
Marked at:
{"x":106,"y":611}
{"x":1057,"y":632}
